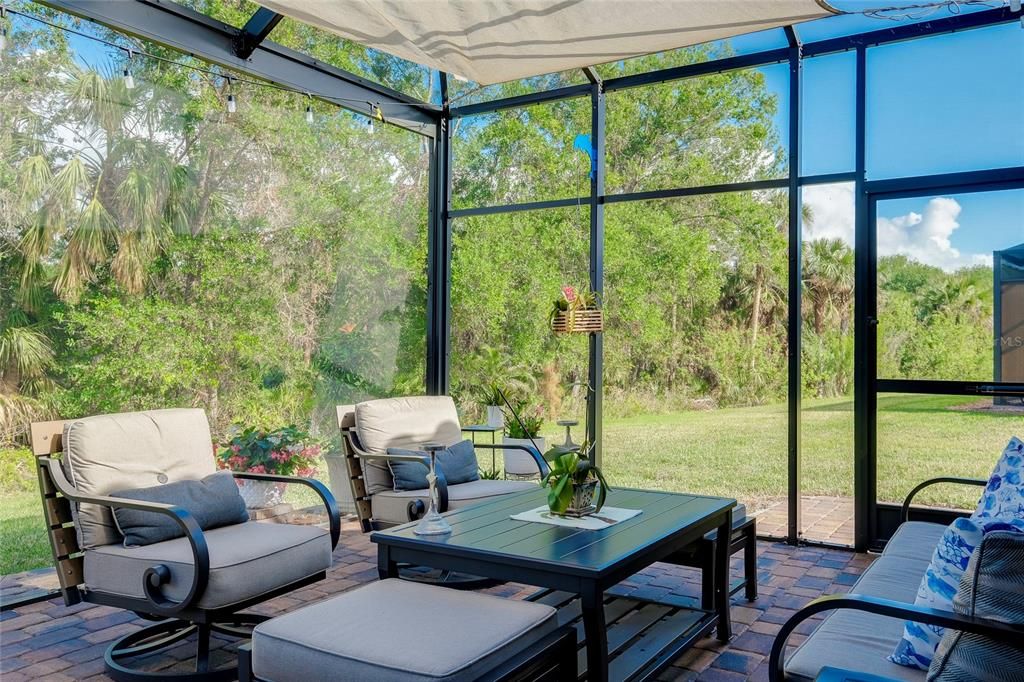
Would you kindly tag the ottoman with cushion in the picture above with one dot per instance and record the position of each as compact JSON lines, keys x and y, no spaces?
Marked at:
{"x":394,"y":630}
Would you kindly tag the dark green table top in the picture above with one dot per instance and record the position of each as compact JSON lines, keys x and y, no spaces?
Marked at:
{"x":486,"y":531}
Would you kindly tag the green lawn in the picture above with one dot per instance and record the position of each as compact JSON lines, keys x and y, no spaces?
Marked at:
{"x":739,"y":452}
{"x":23,"y":542}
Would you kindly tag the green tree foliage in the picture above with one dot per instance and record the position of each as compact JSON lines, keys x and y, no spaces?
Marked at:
{"x":155,"y":251}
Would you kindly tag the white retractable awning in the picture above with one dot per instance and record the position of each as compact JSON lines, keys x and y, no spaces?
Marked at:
{"x":490,"y":41}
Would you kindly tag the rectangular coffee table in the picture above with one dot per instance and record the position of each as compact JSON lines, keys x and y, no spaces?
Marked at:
{"x":486,"y":542}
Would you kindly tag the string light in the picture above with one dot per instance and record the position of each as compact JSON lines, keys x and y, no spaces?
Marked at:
{"x":232,"y":101}
{"x":309,"y":109}
{"x":129,"y":81}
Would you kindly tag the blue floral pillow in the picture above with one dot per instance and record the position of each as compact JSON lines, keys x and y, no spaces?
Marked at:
{"x":938,"y":587}
{"x":1004,"y":494}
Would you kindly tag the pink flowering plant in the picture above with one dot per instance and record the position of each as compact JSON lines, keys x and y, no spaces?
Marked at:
{"x":286,"y":451}
{"x":574,"y":299}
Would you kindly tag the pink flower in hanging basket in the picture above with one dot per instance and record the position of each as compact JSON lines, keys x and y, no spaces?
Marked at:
{"x":569,"y":292}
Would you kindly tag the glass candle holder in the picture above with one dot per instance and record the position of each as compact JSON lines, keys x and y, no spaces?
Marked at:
{"x":432,"y":522}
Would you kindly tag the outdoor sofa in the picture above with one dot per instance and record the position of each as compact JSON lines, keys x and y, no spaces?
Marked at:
{"x":853,"y":642}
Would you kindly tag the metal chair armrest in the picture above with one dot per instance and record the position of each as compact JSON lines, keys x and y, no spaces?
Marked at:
{"x":538,"y":459}
{"x":891,"y":609}
{"x":156,"y":575}
{"x":330,"y":504}
{"x":905,"y":513}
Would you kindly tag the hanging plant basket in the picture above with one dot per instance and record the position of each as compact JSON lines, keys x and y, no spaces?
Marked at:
{"x":586,"y":321}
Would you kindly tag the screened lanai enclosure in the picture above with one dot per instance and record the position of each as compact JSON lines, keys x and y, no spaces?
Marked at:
{"x":790,"y":216}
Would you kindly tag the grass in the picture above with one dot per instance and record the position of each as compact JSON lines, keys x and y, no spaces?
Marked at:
{"x":738,"y":452}
{"x":742,"y":452}
{"x":23,"y":542}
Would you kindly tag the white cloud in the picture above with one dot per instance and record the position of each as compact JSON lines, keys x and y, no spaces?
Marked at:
{"x":831,"y":212}
{"x":925,"y":237}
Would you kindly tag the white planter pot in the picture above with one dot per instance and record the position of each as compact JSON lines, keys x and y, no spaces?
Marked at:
{"x":495,"y":416}
{"x":518,"y":462}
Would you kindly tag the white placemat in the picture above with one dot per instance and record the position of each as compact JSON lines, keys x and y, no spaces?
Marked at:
{"x":608,"y":516}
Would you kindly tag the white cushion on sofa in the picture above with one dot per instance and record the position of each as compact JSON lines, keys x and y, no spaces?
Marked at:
{"x":392,"y":506}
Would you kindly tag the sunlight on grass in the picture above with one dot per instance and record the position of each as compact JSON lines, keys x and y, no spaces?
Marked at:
{"x":741,"y":452}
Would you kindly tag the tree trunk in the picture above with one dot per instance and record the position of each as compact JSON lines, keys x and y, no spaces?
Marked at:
{"x":755,"y":315}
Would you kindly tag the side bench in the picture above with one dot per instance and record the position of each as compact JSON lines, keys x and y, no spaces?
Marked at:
{"x":400,"y":631}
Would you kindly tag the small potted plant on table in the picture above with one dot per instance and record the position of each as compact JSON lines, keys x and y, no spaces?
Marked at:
{"x":576,"y":486}
{"x":286,"y":451}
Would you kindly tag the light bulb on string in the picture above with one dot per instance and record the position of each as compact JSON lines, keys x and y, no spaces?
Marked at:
{"x":129,"y":81}
{"x":309,"y":109}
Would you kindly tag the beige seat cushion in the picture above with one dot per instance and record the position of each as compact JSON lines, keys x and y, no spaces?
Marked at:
{"x":112,"y":452}
{"x":392,"y":506}
{"x":397,"y":631}
{"x":402,"y":423}
{"x":246,"y":560}
{"x":915,"y":540}
{"x":854,"y":640}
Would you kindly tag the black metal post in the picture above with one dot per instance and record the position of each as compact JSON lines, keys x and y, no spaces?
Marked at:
{"x":439,"y":253}
{"x":795,"y":322}
{"x":864,"y":362}
{"x":256,"y":31}
{"x":595,"y":393}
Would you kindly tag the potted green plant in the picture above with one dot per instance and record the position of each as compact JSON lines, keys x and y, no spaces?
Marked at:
{"x":576,"y":311}
{"x":576,"y":486}
{"x":492,"y":401}
{"x":523,"y":429}
{"x":286,"y":451}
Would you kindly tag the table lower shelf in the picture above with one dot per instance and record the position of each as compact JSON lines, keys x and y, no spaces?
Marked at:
{"x":644,"y":637}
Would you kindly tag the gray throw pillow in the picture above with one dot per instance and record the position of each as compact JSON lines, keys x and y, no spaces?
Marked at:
{"x":214,"y":501}
{"x":992,"y":587}
{"x":457,"y":463}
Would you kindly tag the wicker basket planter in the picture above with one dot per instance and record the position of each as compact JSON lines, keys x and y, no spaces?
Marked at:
{"x":588,"y":321}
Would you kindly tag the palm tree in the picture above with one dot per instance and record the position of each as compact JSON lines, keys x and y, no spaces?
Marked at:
{"x":828,"y":279}
{"x":26,"y":355}
{"x":108,"y":194}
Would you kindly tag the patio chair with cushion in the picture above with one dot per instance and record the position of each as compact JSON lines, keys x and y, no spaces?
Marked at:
{"x":139,"y":518}
{"x":379,"y":433}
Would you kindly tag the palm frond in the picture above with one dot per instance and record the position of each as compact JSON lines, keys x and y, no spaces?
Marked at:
{"x":128,"y":266}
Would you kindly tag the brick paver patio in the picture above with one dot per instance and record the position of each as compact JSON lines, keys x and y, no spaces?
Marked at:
{"x":823,"y":519}
{"x":50,"y":641}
